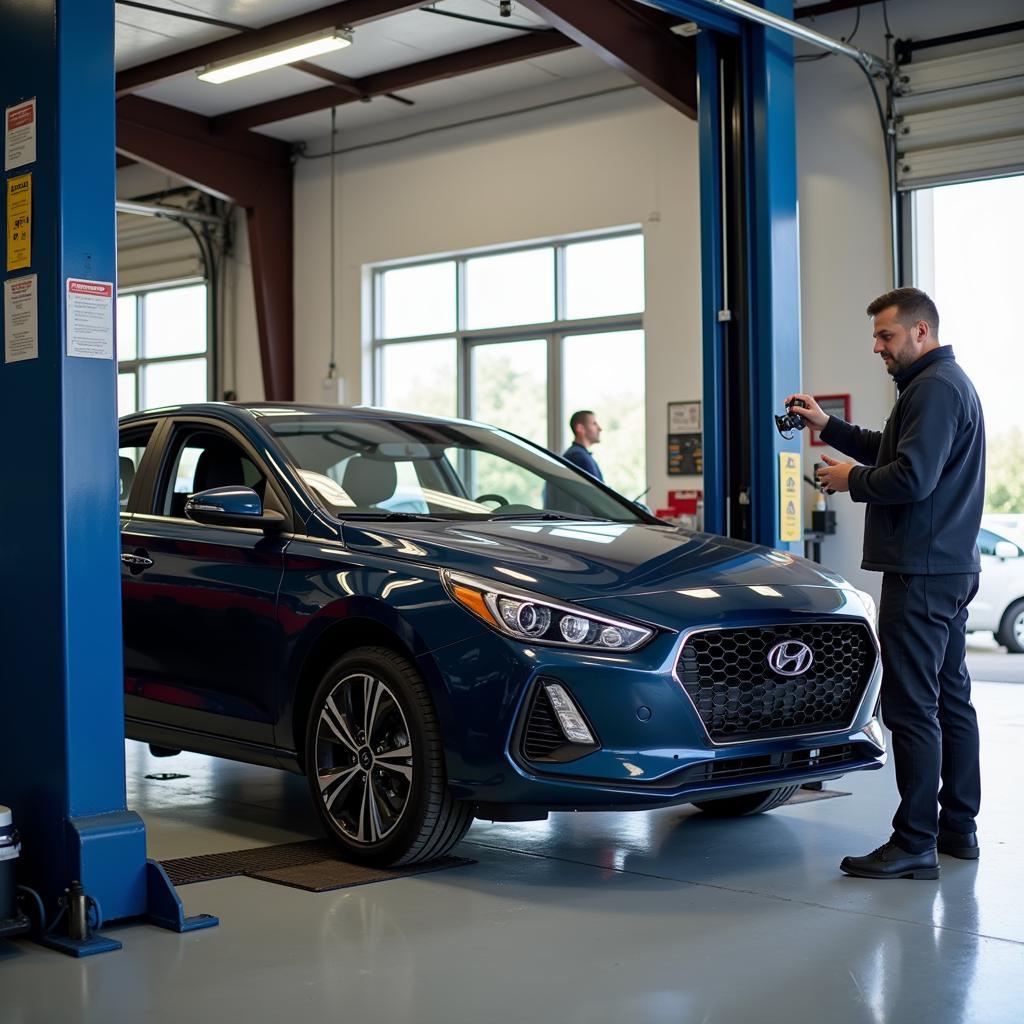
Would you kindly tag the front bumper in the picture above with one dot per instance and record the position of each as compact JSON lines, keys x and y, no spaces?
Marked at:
{"x":654,"y":750}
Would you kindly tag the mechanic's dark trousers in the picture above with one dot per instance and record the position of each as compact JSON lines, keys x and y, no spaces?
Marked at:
{"x":926,"y":702}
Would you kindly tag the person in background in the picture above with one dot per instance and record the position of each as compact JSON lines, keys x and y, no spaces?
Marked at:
{"x":923,"y":481}
{"x":586,"y":432}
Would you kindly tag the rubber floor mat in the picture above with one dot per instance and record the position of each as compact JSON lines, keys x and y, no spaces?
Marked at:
{"x":805,"y":796}
{"x":310,"y":864}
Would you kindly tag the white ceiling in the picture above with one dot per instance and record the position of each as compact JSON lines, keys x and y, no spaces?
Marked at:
{"x":142,"y":36}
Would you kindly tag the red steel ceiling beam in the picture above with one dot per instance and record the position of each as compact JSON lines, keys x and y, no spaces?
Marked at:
{"x":632,"y":39}
{"x":348,"y":14}
{"x":451,"y":65}
{"x":256,"y":173}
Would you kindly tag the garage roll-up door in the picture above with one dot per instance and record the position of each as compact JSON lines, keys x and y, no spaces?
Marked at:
{"x":154,"y":250}
{"x":961,"y":118}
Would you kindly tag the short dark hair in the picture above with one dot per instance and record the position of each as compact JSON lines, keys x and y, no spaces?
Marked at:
{"x":577,"y":418}
{"x":911,"y":304}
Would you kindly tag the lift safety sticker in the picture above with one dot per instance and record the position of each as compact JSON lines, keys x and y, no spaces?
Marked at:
{"x":21,"y":319}
{"x":790,"y":503}
{"x":90,"y":323}
{"x":20,"y":135}
{"x":19,"y":222}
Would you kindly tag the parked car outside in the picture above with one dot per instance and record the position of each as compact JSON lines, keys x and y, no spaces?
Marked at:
{"x":999,"y":604}
{"x":435,"y":620}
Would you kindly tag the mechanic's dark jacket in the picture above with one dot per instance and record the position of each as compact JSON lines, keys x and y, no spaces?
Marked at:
{"x":923,"y":476}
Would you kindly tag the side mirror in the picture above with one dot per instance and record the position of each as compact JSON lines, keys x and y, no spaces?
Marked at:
{"x":231,"y":506}
{"x":1007,"y":549}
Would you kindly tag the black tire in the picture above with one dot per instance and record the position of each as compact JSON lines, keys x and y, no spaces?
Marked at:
{"x":158,"y":751}
{"x":1011,"y":629}
{"x":744,"y":806}
{"x":382,"y":797}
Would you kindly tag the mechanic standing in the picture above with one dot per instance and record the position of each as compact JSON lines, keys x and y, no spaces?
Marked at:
{"x":923,"y":480}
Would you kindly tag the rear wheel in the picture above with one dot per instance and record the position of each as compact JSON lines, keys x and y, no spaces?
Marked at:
{"x":749,"y":803}
{"x":375,"y":762}
{"x":1011,"y":629}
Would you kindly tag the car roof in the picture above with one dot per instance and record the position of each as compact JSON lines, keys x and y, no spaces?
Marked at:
{"x":283,"y":410}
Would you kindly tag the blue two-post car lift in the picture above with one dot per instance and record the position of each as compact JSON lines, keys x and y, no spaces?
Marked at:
{"x":62,"y":766}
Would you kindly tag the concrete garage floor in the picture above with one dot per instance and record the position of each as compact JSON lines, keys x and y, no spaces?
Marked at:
{"x":644,"y":917}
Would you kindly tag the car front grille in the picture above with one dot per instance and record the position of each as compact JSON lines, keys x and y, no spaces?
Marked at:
{"x":738,"y":696}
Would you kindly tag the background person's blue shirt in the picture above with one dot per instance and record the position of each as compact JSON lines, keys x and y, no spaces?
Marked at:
{"x":579,"y":456}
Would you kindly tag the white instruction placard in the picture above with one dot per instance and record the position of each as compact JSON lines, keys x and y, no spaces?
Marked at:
{"x":90,"y":324}
{"x":21,"y":319}
{"x":20,"y":135}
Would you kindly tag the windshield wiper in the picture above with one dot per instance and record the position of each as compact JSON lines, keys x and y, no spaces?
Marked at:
{"x":547,"y":515}
{"x":393,"y":517}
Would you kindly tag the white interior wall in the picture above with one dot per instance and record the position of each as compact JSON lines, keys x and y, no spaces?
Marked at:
{"x":604,"y":162}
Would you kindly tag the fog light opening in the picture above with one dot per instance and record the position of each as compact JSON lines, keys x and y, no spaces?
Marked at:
{"x":568,"y":715}
{"x":873,"y":731}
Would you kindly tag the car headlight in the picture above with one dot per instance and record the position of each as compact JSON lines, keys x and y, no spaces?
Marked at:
{"x":534,"y":619}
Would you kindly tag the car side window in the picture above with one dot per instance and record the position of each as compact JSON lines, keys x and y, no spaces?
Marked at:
{"x":131,"y":448}
{"x":201,"y":459}
{"x":987,"y":542}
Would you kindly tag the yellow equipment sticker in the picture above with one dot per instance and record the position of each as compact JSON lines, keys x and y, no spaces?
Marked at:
{"x":19,"y":222}
{"x":790,"y":506}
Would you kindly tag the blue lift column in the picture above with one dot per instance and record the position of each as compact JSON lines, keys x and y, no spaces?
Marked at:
{"x":62,"y":767}
{"x":750,"y":270}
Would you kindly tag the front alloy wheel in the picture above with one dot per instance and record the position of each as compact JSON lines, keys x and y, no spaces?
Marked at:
{"x":375,"y":762}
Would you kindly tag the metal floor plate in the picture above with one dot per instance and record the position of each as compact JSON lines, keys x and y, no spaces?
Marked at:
{"x":312,"y":864}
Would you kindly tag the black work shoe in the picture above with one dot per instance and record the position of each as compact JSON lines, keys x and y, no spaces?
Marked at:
{"x":958,"y":844}
{"x":890,"y":861}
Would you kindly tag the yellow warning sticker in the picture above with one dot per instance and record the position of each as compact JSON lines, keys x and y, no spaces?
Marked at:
{"x":19,"y":222}
{"x":790,"y":506}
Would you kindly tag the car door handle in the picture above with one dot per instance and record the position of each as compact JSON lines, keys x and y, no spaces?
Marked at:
{"x":136,"y":562}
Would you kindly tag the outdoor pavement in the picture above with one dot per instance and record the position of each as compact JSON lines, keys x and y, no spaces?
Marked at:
{"x":988,"y":662}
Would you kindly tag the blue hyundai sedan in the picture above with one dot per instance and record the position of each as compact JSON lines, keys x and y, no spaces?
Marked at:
{"x":435,"y":620}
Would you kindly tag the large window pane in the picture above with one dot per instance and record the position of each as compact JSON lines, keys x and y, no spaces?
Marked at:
{"x":605,"y":373}
{"x":511,"y":288}
{"x":420,"y":376}
{"x":510,"y":387}
{"x":174,"y":322}
{"x":127,"y":347}
{"x":125,"y":393}
{"x":418,"y":300}
{"x":604,"y":277}
{"x":173,"y":383}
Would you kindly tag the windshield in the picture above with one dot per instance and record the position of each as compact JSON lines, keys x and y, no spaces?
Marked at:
{"x":372,"y":468}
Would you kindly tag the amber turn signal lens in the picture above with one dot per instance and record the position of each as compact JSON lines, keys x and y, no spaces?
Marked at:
{"x":474,"y":601}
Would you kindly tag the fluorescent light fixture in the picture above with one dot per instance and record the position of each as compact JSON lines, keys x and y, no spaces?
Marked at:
{"x":275,"y":56}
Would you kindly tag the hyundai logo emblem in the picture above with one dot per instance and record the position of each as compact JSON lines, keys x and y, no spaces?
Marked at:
{"x":790,"y":658}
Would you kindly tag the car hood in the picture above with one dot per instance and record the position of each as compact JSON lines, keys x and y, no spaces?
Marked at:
{"x":580,"y":561}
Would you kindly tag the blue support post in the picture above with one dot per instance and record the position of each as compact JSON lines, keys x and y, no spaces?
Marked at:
{"x":775,"y":263}
{"x":62,"y":768}
{"x":712,"y":280}
{"x":764,"y":291}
